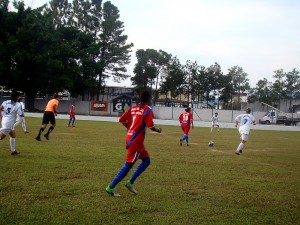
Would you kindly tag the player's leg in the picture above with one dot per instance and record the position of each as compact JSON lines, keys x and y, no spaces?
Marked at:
{"x":24,"y":125}
{"x":130,"y":159}
{"x":70,"y":120}
{"x":12,"y":141}
{"x":51,"y":128}
{"x":73,"y":121}
{"x":17,"y":122}
{"x":212,"y":127}
{"x":186,"y":133}
{"x":240,"y":147}
{"x":43,"y":127}
{"x":144,"y":156}
{"x":2,"y":134}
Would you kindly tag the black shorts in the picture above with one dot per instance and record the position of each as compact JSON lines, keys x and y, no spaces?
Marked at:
{"x":48,"y":117}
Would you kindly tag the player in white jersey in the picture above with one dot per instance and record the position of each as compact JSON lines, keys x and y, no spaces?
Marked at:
{"x":245,"y":121}
{"x":11,"y":108}
{"x":21,"y":119}
{"x":215,"y":122}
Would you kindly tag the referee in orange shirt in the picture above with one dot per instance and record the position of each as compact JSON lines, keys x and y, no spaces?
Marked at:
{"x":49,"y":116}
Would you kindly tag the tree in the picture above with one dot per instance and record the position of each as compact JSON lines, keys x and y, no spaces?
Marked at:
{"x":263,"y":91}
{"x":240,"y":81}
{"x":149,"y":68}
{"x":173,"y":79}
{"x":292,"y":85}
{"x":279,"y":85}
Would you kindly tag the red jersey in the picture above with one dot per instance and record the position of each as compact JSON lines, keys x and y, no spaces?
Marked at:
{"x":72,"y":111}
{"x":185,"y":119}
{"x":137,"y":119}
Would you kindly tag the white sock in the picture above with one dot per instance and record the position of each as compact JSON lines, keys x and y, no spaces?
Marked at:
{"x":211,"y":129}
{"x":24,"y":126}
{"x":12,"y":144}
{"x":240,"y":147}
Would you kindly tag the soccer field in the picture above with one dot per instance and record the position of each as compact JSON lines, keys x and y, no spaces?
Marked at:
{"x":63,"y":181}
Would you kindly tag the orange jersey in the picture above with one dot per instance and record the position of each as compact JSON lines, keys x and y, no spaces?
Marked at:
{"x":51,"y":104}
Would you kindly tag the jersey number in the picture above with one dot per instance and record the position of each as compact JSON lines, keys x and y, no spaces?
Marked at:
{"x":8,"y":111}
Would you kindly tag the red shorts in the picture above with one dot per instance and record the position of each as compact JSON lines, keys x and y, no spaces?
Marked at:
{"x":186,"y":130}
{"x":72,"y":115}
{"x":133,"y":155}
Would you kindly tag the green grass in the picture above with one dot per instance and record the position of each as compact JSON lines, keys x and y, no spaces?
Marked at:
{"x":63,"y":181}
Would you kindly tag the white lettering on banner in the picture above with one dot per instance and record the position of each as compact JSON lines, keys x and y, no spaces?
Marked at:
{"x":99,"y":105}
{"x":119,"y":106}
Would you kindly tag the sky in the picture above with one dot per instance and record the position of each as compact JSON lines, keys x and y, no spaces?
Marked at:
{"x":260,"y":36}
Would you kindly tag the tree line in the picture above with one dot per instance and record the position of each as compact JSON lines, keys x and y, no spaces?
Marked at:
{"x":203,"y":84}
{"x":77,"y":46}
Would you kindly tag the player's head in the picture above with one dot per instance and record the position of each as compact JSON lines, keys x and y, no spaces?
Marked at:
{"x":14,"y":96}
{"x":55,"y":96}
{"x":20,"y":99}
{"x":248,"y":110}
{"x":145,"y":97}
{"x":188,"y":109}
{"x":216,"y":113}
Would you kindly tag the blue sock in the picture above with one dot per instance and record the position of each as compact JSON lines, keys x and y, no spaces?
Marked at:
{"x":69,"y":122}
{"x":73,"y":121}
{"x":121,"y":174}
{"x":140,"y":169}
{"x":184,"y":138}
{"x":187,"y":139}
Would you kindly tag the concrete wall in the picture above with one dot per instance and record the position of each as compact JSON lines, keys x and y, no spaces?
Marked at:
{"x":167,"y":113}
{"x":164,"y":113}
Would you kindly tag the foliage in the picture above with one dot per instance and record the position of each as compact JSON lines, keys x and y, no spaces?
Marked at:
{"x":63,"y":46}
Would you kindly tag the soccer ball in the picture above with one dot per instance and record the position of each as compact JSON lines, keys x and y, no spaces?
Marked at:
{"x":211,"y":144}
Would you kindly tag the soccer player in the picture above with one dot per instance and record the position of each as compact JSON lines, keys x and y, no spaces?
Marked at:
{"x":186,"y":120}
{"x":72,"y":115}
{"x":11,"y":109}
{"x":21,"y":119}
{"x":136,"y":120}
{"x":49,"y":116}
{"x":215,"y":122}
{"x":246,"y":120}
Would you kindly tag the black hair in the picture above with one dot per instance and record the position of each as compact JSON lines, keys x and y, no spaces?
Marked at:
{"x":248,"y":110}
{"x":188,"y":109}
{"x":145,"y":96}
{"x":55,"y":96}
{"x":14,"y":96}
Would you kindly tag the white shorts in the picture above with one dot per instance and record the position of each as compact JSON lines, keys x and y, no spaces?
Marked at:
{"x":5,"y":131}
{"x":244,"y":137}
{"x":214,"y":124}
{"x":6,"y":128}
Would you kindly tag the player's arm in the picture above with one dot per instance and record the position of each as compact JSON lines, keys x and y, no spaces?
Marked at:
{"x":54,"y":109}
{"x":124,"y":119}
{"x":158,"y":130}
{"x":1,"y":109}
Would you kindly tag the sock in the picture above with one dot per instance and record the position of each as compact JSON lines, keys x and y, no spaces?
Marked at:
{"x":73,"y":121}
{"x":121,"y":174}
{"x":140,"y":169}
{"x":211,"y":129}
{"x":41,"y":131}
{"x":24,"y":126}
{"x":12,"y":144}
{"x":69,"y":122}
{"x":240,"y":147}
{"x":50,"y":130}
{"x":184,"y":137}
{"x":187,"y":139}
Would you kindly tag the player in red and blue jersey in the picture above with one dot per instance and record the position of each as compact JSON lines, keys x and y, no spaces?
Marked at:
{"x":72,"y":115}
{"x":186,"y":120}
{"x":136,"y":120}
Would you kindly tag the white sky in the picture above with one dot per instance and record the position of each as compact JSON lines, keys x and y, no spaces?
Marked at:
{"x":260,"y":36}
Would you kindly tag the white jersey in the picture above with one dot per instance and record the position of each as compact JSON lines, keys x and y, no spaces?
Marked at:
{"x":10,"y":112}
{"x":22,"y":106}
{"x":245,"y":121}
{"x":214,"y":120}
